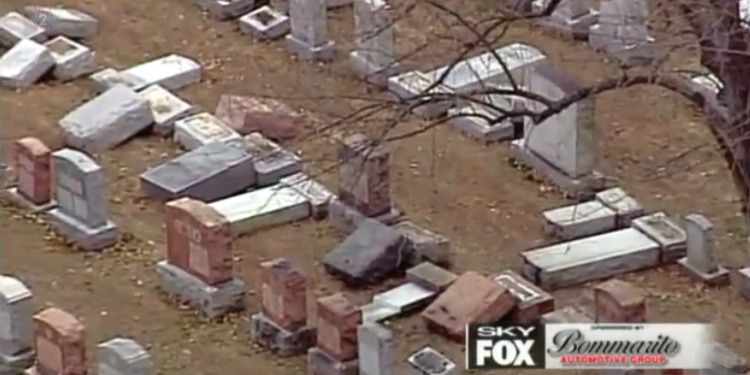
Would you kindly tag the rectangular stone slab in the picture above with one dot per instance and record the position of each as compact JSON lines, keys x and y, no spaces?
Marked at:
{"x":24,"y":64}
{"x":172,"y":72}
{"x":208,"y":173}
{"x":405,"y":297}
{"x":14,"y":27}
{"x":263,"y":208}
{"x":591,"y":258}
{"x":579,"y":220}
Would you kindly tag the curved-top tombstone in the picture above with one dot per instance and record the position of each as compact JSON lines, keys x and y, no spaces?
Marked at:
{"x":59,"y":340}
{"x":199,"y":240}
{"x":16,"y":310}
{"x":79,"y":187}
{"x":121,"y":356}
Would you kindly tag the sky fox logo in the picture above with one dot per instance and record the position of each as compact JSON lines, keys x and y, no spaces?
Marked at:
{"x":491,"y":346}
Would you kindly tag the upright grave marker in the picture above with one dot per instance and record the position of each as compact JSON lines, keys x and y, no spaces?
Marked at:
{"x":59,"y":340}
{"x":336,"y":351}
{"x":374,"y":58}
{"x":309,"y":37}
{"x":16,"y":333}
{"x":32,"y":162}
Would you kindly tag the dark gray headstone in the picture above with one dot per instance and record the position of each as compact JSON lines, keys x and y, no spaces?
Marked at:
{"x":372,"y":252}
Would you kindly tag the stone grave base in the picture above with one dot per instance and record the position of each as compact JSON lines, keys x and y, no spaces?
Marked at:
{"x":630,"y":55}
{"x":16,"y":363}
{"x":346,"y":219}
{"x":265,"y":23}
{"x":226,"y":10}
{"x":427,"y":111}
{"x":324,"y":53}
{"x":476,"y":128}
{"x":212,"y":300}
{"x":720,"y":277}
{"x":371,"y":73}
{"x":320,"y":363}
{"x":743,"y":282}
{"x":579,"y":187}
{"x":25,"y":203}
{"x":572,"y":29}
{"x":86,"y":237}
{"x":280,"y":341}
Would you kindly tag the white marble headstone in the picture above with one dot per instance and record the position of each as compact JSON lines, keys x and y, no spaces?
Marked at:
{"x":16,"y":311}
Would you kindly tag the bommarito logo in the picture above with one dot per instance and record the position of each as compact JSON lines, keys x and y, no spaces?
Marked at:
{"x":574,"y":350}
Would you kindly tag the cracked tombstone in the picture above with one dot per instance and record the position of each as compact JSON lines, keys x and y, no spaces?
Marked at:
{"x":198,"y":268}
{"x":107,"y":120}
{"x":14,"y":28}
{"x":699,"y":264}
{"x":281,"y":325}
{"x":374,"y":58}
{"x":81,"y":213}
{"x":309,"y":38}
{"x":376,"y":350}
{"x":336,"y":350}
{"x":123,"y":356}
{"x":59,"y":342}
{"x":562,"y":147}
{"x":32,"y":160}
{"x":71,"y":23}
{"x":16,"y":333}
{"x":25,"y":64}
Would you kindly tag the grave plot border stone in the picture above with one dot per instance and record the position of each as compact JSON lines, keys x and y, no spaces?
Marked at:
{"x":699,"y":264}
{"x":265,"y":23}
{"x":660,"y":228}
{"x":429,"y":361}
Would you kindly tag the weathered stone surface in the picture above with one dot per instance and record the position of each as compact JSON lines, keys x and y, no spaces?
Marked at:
{"x":405,"y":298}
{"x":272,"y":118}
{"x":591,"y":258}
{"x":16,"y":334}
{"x":428,"y":100}
{"x":59,"y":343}
{"x":579,"y":220}
{"x":669,"y":235}
{"x":626,"y":207}
{"x":472,"y":121}
{"x":338,"y":319}
{"x":617,"y":301}
{"x":14,"y":27}
{"x":201,"y":129}
{"x":283,"y":294}
{"x":265,"y":23}
{"x":213,"y":300}
{"x":430,"y":276}
{"x":122,"y":356}
{"x":372,"y":252}
{"x":423,"y":245}
{"x":364,"y":175}
{"x":71,"y":23}
{"x":531,"y":301}
{"x":622,"y":32}
{"x":172,"y":72}
{"x":376,"y":350}
{"x":271,"y":161}
{"x":278,"y":340}
{"x":106,"y":78}
{"x":166,"y":108}
{"x":346,"y":219}
{"x":742,"y":282}
{"x":428,"y":361}
{"x":106,"y":121}
{"x":320,"y":362}
{"x":208,"y":173}
{"x":567,"y":314}
{"x":33,"y":169}
{"x":472,"y":298}
{"x":72,"y":60}
{"x":316,"y":193}
{"x":374,"y":57}
{"x":224,"y":10}
{"x":24,"y":64}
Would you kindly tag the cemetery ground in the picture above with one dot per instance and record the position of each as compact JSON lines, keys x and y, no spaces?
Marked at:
{"x":652,"y":143}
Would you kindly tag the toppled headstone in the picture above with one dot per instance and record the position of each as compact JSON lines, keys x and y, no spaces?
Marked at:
{"x":622,"y":32}
{"x":269,"y":117}
{"x":472,"y":298}
{"x":81,"y":213}
{"x":423,"y":245}
{"x":281,"y":326}
{"x":479,"y":120}
{"x":426,"y":98}
{"x":107,"y":120}
{"x":579,"y":220}
{"x":531,"y":301}
{"x":590,"y":258}
{"x":336,"y":351}
{"x":617,"y":301}
{"x":571,"y":18}
{"x":16,"y":310}
{"x":625,"y":207}
{"x":14,"y":28}
{"x":374,"y":58}
{"x":224,"y":10}
{"x":271,"y":161}
{"x":59,"y":343}
{"x":172,"y":72}
{"x":106,"y":78}
{"x":318,"y":195}
{"x":430,"y":276}
{"x":405,"y":298}
{"x":198,"y":268}
{"x":71,"y":23}
{"x":122,"y":356}
{"x":660,"y":228}
{"x":265,"y":23}
{"x":263,"y":208}
{"x":211,"y":172}
{"x":308,"y":38}
{"x":32,"y":161}
{"x":166,"y":108}
{"x":567,"y":314}
{"x":24,"y":64}
{"x":699,"y":263}
{"x":428,"y":361}
{"x":372,"y":252}
{"x":201,"y":129}
{"x":72,"y":60}
{"x":376,"y":350}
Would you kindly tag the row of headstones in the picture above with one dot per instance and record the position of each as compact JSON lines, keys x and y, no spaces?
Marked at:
{"x":45,"y":41}
{"x":53,"y":341}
